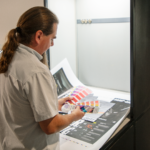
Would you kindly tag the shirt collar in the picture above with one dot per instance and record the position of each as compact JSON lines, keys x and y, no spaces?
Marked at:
{"x":30,"y":50}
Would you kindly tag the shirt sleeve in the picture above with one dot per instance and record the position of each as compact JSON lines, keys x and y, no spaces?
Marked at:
{"x":40,"y":90}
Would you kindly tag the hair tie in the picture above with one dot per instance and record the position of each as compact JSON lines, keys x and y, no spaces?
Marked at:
{"x":18,"y":29}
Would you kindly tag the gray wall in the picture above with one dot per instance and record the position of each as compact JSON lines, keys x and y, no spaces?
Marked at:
{"x":10,"y":11}
{"x":103,"y":49}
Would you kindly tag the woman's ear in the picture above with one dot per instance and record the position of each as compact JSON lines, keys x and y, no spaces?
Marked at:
{"x":38,"y":36}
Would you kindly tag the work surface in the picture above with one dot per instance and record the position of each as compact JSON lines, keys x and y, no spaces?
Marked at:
{"x":92,"y":136}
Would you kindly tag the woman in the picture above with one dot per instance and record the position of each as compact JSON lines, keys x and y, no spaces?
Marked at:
{"x":28,"y":97}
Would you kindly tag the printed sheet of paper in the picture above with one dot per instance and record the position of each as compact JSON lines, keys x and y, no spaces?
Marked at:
{"x":93,"y":135}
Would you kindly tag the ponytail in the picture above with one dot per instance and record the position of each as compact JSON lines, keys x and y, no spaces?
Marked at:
{"x":9,"y":49}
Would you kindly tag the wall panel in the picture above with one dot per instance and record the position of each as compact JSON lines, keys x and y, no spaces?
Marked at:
{"x":10,"y":11}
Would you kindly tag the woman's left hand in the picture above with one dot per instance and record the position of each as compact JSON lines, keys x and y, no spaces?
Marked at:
{"x":62,"y":101}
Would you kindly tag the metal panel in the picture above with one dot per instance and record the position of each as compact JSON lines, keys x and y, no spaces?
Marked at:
{"x":126,"y":142}
{"x":107,"y":20}
{"x":142,"y":132}
{"x":141,"y":60}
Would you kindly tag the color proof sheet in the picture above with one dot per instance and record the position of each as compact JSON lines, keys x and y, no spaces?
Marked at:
{"x":85,"y":108}
{"x":68,"y":85}
{"x":90,"y":103}
{"x":78,"y":93}
{"x":104,"y":106}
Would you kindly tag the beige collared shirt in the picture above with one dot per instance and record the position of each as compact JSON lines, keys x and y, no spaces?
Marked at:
{"x":28,"y":95}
